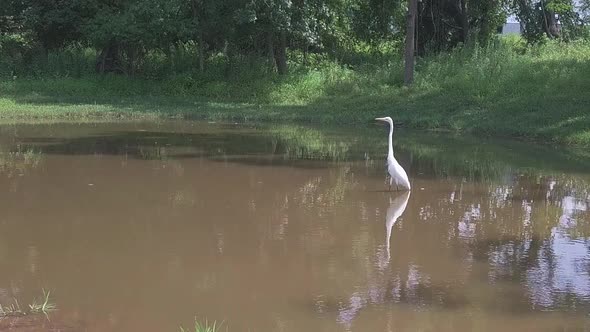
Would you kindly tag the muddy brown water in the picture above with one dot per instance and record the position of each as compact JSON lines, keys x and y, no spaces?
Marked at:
{"x":145,"y":226}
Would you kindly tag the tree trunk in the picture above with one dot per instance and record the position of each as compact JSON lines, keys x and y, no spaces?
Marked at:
{"x":131,"y":61}
{"x":464,"y":21}
{"x":108,"y":60}
{"x":201,"y":52}
{"x":270,"y":48}
{"x":281,"y":53}
{"x":197,"y":7}
{"x":549,"y":22}
{"x":101,"y":61}
{"x":228,"y":52}
{"x":410,"y":31}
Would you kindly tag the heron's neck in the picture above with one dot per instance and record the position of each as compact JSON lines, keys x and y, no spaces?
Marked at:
{"x":390,"y":153}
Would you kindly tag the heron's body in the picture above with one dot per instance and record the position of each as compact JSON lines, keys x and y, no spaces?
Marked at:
{"x":398,"y":177}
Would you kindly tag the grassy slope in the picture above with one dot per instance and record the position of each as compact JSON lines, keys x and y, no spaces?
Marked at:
{"x":542,"y":94}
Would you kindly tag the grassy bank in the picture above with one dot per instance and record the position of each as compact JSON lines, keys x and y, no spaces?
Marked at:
{"x":503,"y":89}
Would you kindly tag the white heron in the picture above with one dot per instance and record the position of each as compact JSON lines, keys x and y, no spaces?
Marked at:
{"x":397,"y":174}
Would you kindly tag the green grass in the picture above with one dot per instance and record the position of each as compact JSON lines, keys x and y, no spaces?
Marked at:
{"x":504,"y":89}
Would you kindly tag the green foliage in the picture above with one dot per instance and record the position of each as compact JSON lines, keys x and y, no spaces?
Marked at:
{"x":15,"y":52}
{"x":486,"y":17}
{"x":377,"y":20}
{"x":143,"y":37}
{"x":142,"y":25}
{"x":158,"y":39}
{"x":57,"y":22}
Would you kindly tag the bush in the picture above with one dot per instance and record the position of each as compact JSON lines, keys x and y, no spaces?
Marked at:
{"x":15,"y":52}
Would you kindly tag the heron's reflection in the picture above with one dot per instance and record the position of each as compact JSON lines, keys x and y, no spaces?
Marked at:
{"x":397,"y":206}
{"x":377,"y":290}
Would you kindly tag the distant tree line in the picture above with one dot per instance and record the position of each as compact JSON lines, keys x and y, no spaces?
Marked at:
{"x":123,"y":31}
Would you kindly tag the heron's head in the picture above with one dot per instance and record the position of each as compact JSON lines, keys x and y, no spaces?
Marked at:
{"x":385,"y":119}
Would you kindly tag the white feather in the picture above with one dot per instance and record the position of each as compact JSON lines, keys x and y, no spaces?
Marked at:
{"x":397,"y":174}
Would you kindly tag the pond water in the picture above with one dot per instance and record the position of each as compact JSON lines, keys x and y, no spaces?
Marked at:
{"x":145,"y":226}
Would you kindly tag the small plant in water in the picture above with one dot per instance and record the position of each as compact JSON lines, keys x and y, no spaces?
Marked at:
{"x":11,"y":310}
{"x":18,"y":162}
{"x":199,"y":327}
{"x":31,"y":157}
{"x":42,"y":306}
{"x":37,"y":307}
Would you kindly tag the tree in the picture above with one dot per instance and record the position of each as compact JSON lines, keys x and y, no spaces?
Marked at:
{"x":548,"y":18}
{"x":444,"y":24}
{"x":11,"y":16}
{"x":125,"y":31}
{"x":274,"y":18}
{"x":318,"y":25}
{"x":57,"y":22}
{"x":377,"y":20}
{"x":410,"y":33}
{"x":584,"y":8}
